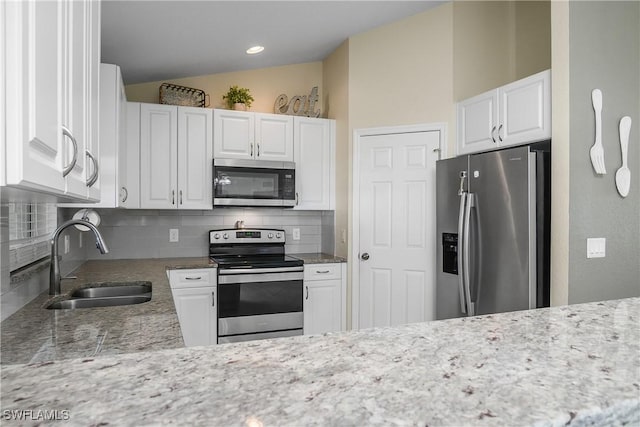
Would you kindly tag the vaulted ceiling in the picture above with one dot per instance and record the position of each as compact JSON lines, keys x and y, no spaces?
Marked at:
{"x":158,"y":40}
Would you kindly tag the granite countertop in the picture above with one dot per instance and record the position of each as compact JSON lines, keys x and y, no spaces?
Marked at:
{"x":571,"y":365}
{"x":34,"y":334}
{"x":318,"y":258}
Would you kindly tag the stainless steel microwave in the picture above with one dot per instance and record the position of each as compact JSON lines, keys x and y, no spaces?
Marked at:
{"x":238,"y":182}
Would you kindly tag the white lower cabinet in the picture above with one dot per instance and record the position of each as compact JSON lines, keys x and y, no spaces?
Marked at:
{"x":194,"y":295}
{"x":325,"y":298}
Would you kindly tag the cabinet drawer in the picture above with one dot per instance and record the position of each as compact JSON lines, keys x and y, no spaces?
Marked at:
{"x":192,"y":278}
{"x":322,"y":271}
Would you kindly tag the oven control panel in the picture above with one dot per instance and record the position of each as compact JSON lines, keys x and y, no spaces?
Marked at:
{"x":246,"y":235}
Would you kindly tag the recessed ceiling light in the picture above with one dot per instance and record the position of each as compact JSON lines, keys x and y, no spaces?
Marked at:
{"x":255,"y":49}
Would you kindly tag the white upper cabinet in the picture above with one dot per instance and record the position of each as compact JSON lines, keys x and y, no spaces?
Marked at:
{"x":517,"y":113}
{"x":274,"y":137}
{"x":112,"y":137}
{"x":158,"y":156}
{"x":525,"y":110}
{"x":175,"y":157}
{"x":476,"y":123}
{"x":245,"y":135}
{"x":195,"y":158}
{"x":34,"y":158}
{"x":129,"y":156}
{"x":52,"y":83}
{"x":314,"y":154}
{"x":233,"y":134}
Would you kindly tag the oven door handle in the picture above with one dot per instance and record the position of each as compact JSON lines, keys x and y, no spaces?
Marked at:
{"x":261,"y":278}
{"x":230,"y":271}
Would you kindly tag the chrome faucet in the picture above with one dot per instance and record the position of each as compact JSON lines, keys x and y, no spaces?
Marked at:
{"x":54,"y":270}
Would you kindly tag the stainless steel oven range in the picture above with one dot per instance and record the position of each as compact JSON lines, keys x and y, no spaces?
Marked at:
{"x":259,"y":287}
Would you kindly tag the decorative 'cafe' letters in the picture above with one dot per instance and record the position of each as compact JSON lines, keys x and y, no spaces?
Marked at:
{"x":298,"y":106}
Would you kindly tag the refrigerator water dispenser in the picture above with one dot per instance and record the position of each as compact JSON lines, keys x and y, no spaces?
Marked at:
{"x":450,"y":253}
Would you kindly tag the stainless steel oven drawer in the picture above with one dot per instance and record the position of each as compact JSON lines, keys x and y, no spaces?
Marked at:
{"x":260,"y":336}
{"x":262,"y":323}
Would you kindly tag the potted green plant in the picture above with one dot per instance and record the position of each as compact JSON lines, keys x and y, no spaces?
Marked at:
{"x":238,"y":98}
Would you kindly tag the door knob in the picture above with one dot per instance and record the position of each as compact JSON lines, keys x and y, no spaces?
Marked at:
{"x":364,"y":256}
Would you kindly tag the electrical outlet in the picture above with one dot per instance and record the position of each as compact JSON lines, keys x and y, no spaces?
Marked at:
{"x":296,"y":234}
{"x":174,"y":235}
{"x":596,"y":247}
{"x":344,"y":236}
{"x":66,"y":244}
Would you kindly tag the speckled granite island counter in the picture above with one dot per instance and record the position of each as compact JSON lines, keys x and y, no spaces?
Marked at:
{"x":571,"y":365}
{"x":318,"y":258}
{"x":35,"y":334}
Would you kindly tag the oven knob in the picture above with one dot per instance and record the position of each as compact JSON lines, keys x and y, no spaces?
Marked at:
{"x":270,"y":235}
{"x":216,"y":236}
{"x":225,"y":236}
{"x":278,"y":235}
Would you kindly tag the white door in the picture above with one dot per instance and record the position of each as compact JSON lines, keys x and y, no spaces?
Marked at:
{"x":525,"y":110}
{"x":477,"y":118}
{"x":274,"y":137}
{"x":233,"y":134}
{"x":195,"y":158}
{"x":397,"y":226}
{"x":158,"y":156}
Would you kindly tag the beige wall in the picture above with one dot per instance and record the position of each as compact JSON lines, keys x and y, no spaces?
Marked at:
{"x":265,"y":85}
{"x":483,"y":49}
{"x":495,"y":43}
{"x":533,"y":37}
{"x":402,"y":73}
{"x":336,"y":98}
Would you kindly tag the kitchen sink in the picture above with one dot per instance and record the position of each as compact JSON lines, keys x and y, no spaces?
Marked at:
{"x":112,"y":289}
{"x":68,"y":304}
{"x":106,"y":294}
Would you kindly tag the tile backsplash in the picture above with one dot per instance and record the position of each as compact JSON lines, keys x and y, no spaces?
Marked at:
{"x":145,"y":233}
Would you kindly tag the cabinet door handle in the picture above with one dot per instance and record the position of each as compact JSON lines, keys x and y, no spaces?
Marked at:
{"x":297,"y":198}
{"x":213,"y":298}
{"x":193,"y":278}
{"x":180,"y":196}
{"x":493,"y":130}
{"x":307,"y":297}
{"x":499,"y":137}
{"x":173,"y":197}
{"x":258,"y":152}
{"x":126,"y":194}
{"x":94,"y":176}
{"x":323,"y":271}
{"x":74,"y":159}
{"x":252,"y":149}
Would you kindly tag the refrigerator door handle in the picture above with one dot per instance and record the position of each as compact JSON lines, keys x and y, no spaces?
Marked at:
{"x":461,"y":287}
{"x":466,"y":254}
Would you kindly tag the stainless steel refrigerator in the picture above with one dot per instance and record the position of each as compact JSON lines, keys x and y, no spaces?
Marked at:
{"x":493,"y":222}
